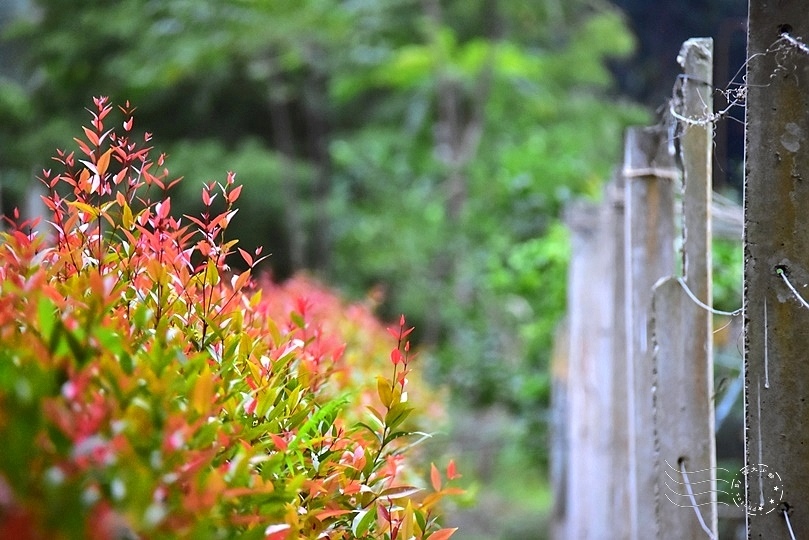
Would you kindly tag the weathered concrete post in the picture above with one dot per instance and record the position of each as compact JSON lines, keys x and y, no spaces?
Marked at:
{"x":589,"y":372}
{"x":649,"y":173}
{"x":619,"y":427}
{"x":776,"y":262}
{"x":589,"y":459}
{"x":684,"y":412}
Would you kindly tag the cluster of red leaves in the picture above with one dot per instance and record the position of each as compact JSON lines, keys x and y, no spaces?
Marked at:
{"x":147,"y":390}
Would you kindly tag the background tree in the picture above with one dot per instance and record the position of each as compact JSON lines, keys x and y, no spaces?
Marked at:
{"x":421,"y":150}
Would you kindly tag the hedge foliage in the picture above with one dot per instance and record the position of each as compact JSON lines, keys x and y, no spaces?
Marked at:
{"x":149,"y":391}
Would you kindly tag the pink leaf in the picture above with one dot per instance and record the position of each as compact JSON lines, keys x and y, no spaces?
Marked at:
{"x":277,"y":532}
{"x":246,"y":256}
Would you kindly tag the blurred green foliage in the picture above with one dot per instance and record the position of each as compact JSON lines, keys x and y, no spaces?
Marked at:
{"x":728,"y":274}
{"x":423,"y":149}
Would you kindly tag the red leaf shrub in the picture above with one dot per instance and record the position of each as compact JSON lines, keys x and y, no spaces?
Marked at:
{"x":147,"y":390}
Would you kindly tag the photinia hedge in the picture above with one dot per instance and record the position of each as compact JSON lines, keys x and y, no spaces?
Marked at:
{"x":149,"y":391}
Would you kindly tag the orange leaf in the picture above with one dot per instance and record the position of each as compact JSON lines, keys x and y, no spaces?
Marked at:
{"x":435,"y":477}
{"x":83,"y":146}
{"x":103,"y":162}
{"x":240,"y":281}
{"x":331,"y":513}
{"x":442,"y":534}
{"x":203,"y":391}
{"x":91,"y":136}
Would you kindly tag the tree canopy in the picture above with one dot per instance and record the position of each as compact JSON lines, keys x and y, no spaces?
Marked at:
{"x":415,"y":152}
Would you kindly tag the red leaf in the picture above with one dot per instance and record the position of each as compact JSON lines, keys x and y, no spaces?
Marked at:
{"x":174,"y":182}
{"x":452,"y":472}
{"x":195,"y":221}
{"x":279,"y":441}
{"x":384,"y":512}
{"x":250,"y":408}
{"x":396,"y":356}
{"x":163,"y":208}
{"x":233,"y":195}
{"x":302,"y":305}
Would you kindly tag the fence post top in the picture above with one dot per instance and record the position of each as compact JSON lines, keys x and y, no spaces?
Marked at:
{"x":696,"y":49}
{"x":647,"y":153}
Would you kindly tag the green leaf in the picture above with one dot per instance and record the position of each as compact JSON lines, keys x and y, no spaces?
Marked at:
{"x":373,"y":432}
{"x":126,"y":363}
{"x":395,"y":435}
{"x":297,"y":318}
{"x":77,"y":349}
{"x":377,"y":416}
{"x":326,"y":412}
{"x":397,"y":414}
{"x":385,"y":390}
{"x":46,"y":313}
{"x":362,"y":522}
{"x":109,"y":339}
